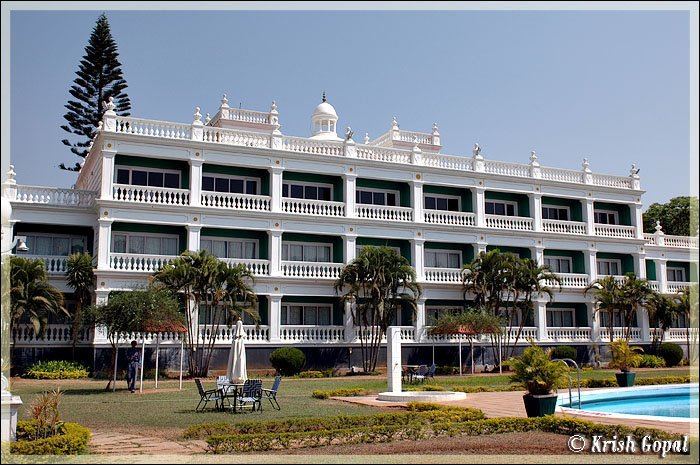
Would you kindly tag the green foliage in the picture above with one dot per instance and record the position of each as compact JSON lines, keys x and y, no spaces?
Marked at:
{"x":535,"y":370}
{"x":446,"y":370}
{"x":71,"y":439}
{"x":652,"y":361}
{"x":56,"y":369}
{"x":564,"y":352}
{"x":81,"y":278}
{"x":671,"y":353}
{"x":624,"y":356}
{"x":310,"y":374}
{"x":44,"y":411}
{"x":471,"y":389}
{"x":99,"y":78}
{"x":472,"y":321}
{"x":611,"y":382}
{"x":424,"y":387}
{"x":674,"y":216}
{"x":344,"y":392}
{"x":288,"y":361}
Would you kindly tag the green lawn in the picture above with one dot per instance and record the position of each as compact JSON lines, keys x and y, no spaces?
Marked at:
{"x":86,"y":402}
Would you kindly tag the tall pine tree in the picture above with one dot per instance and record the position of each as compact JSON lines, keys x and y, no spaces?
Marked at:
{"x":99,"y":77}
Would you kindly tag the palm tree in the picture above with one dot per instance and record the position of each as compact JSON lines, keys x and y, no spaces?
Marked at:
{"x":607,"y":297}
{"x":379,"y":281}
{"x":487,"y":277}
{"x":81,"y":278}
{"x":682,"y":302}
{"x":32,"y":295}
{"x":634,"y":292}
{"x":662,"y":311}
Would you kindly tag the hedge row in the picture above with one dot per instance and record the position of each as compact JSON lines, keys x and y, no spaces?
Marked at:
{"x":72,"y":440}
{"x":420,"y":415}
{"x":56,"y":369}
{"x":611,"y":382}
{"x":227,"y":443}
{"x":347,"y":392}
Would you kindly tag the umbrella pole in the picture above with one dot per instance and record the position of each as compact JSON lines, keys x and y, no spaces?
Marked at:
{"x":116,"y":360}
{"x":500,"y":356}
{"x":460,"y":355}
{"x":157,"y":347}
{"x":471,"y":352}
{"x":182,"y":350}
{"x":143,"y":353}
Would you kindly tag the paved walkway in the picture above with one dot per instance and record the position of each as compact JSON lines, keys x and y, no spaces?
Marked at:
{"x":132,"y":444}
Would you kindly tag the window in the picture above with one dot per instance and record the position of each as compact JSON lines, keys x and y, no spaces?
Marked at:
{"x":558,"y":264}
{"x":617,"y":319}
{"x":300,"y":190}
{"x":306,"y":314}
{"x":230,"y":248}
{"x":675,"y":274}
{"x":207,"y":314}
{"x":54,"y":244}
{"x":609,"y":267}
{"x":358,"y":249}
{"x":230,"y":184}
{"x":560,"y":317}
{"x":435,"y":202}
{"x":443,"y":258}
{"x":149,"y":244}
{"x":605,"y":217}
{"x":433,"y":313}
{"x":499,"y":207}
{"x":307,"y":252}
{"x":555,"y":213}
{"x":679,"y":321}
{"x":137,"y":176}
{"x":512,"y":316}
{"x":376,"y":197}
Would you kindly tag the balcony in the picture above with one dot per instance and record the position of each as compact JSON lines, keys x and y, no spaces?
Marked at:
{"x":620,"y":333}
{"x":223,"y":335}
{"x":570,"y":280}
{"x":381,"y":212}
{"x":564,"y":227}
{"x":573,"y":334}
{"x":313,"y":207}
{"x":685,"y":242}
{"x":674,"y":287}
{"x":323,"y":270}
{"x":311,"y":334}
{"x":449,"y":218}
{"x":55,"y":264}
{"x":150,"y":195}
{"x":55,"y":334}
{"x":615,"y":230}
{"x":138,"y":262}
{"x":55,"y":196}
{"x":256,"y":267}
{"x":443,"y":275}
{"x":236,"y":201}
{"x":516,"y":223}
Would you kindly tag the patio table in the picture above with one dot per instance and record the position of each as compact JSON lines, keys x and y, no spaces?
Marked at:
{"x":231,"y":390}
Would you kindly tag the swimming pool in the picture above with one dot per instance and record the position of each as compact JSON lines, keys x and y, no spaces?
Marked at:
{"x":673,"y":402}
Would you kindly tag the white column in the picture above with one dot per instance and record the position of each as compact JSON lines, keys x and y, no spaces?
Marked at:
{"x":101,"y":298}
{"x":393,"y":358}
{"x":104,"y":243}
{"x":480,"y":247}
{"x":637,"y":221}
{"x":349,"y":189}
{"x":196,"y":181}
{"x":417,"y":200}
{"x":661,"y":276}
{"x":591,"y":267}
{"x":275,"y":309}
{"x":593,"y":321}
{"x":643,"y":323}
{"x":538,"y":254}
{"x":193,"y":235}
{"x":541,"y":319}
{"x":419,"y":321}
{"x":479,"y":199}
{"x":107,"y":171}
{"x":349,"y":247}
{"x":276,"y":189}
{"x":418,"y":258}
{"x":536,"y":210}
{"x":588,"y":216}
{"x":640,"y":268}
{"x":349,"y":322}
{"x":275,"y":252}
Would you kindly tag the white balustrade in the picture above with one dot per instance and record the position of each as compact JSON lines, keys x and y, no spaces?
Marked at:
{"x":635,"y":334}
{"x":618,"y":278}
{"x":449,"y":162}
{"x":150,"y":195}
{"x":236,"y":201}
{"x":316,"y":147}
{"x":311,"y":269}
{"x":681,"y":334}
{"x":563,"y":334}
{"x":623,"y":182}
{"x":650,"y":239}
{"x":367,"y":152}
{"x":415,"y":137}
{"x":319,"y":334}
{"x":407,"y":334}
{"x":223,"y":334}
{"x":615,"y":230}
{"x":235,"y":137}
{"x":449,"y":218}
{"x":138,"y":262}
{"x":506,"y":169}
{"x":153,"y":128}
{"x":313,"y":207}
{"x":562,"y":175}
{"x":249,"y":116}
{"x":150,"y":337}
{"x":55,"y":196}
{"x":681,"y":241}
{"x":518,"y":223}
{"x":55,"y":334}
{"x":382,"y":212}
{"x":54,"y":264}
{"x":564,"y":227}
{"x":654,"y":285}
{"x":526,"y":334}
{"x":257,"y":267}
{"x":443,"y":275}
{"x":571,"y":280}
{"x":674,"y":287}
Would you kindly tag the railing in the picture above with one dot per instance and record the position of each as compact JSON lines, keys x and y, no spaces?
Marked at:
{"x":138,"y":262}
{"x":366,"y":152}
{"x":526,"y":334}
{"x":54,"y":264}
{"x":681,"y":241}
{"x":674,"y":287}
{"x":236,"y":201}
{"x":557,"y":174}
{"x":311,"y":269}
{"x":565,"y":227}
{"x":620,"y":333}
{"x":382,"y":212}
{"x":450,"y":218}
{"x":506,"y":169}
{"x":257,"y":267}
{"x":517,"y":223}
{"x":654,"y":285}
{"x":606,"y":180}
{"x":408,"y":334}
{"x":575,"y":280}
{"x":248,"y":116}
{"x":415,"y":137}
{"x":55,"y":334}
{"x":147,"y":194}
{"x":650,"y":239}
{"x":615,"y":230}
{"x":681,"y":334}
{"x":55,"y":196}
{"x":313,"y":207}
{"x":319,"y":334}
{"x":561,"y":334}
{"x":224,"y":334}
{"x":153,"y":128}
{"x":449,"y":162}
{"x":443,"y":275}
{"x":235,"y":137}
{"x":316,"y":147}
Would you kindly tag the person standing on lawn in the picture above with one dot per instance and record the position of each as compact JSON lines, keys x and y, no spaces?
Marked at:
{"x":133,"y":359}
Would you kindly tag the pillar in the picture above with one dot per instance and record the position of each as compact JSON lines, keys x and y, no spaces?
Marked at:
{"x":419,"y":321}
{"x":540,"y":312}
{"x":193,"y":235}
{"x":196,"y":181}
{"x":591,"y":267}
{"x":637,"y":221}
{"x":349,"y":247}
{"x":349,"y":189}
{"x":274,"y":312}
{"x":276,"y":189}
{"x":419,"y":258}
{"x":660,"y":264}
{"x":393,"y":358}
{"x":536,"y":210}
{"x":104,"y":243}
{"x":275,"y":252}
{"x":417,"y":200}
{"x":108,"y":154}
{"x":589,"y":217}
{"x":480,"y":207}
{"x":640,"y":269}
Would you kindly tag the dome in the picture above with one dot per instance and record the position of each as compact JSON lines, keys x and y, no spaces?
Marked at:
{"x":324,"y":121}
{"x":325,"y":109}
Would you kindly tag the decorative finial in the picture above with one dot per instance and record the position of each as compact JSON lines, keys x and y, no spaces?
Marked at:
{"x":11,"y":174}
{"x":323,"y":99}
{"x":366,"y":138}
{"x":533,"y":156}
{"x":476,"y":151}
{"x":224,"y":101}
{"x":197,"y":115}
{"x":394,"y":123}
{"x":273,"y":107}
{"x":207,"y":119}
{"x":348,"y":133}
{"x":658,"y":227}
{"x":585,"y":164}
{"x":634,"y":171}
{"x":109,"y":105}
{"x":99,"y":125}
{"x":435,"y":128}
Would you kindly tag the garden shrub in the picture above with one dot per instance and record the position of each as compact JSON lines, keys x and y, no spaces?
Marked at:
{"x":71,"y":439}
{"x":344,"y":392}
{"x":652,"y":361}
{"x":671,"y":353}
{"x":425,"y":387}
{"x":611,"y":382}
{"x":288,"y":361}
{"x":310,"y":374}
{"x":446,"y":370}
{"x":56,"y":369}
{"x":564,"y":352}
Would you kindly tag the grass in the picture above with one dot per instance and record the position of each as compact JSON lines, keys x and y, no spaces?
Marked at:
{"x":172,"y":411}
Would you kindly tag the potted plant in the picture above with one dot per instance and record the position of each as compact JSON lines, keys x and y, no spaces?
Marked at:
{"x":624,"y":357}
{"x":535,"y":370}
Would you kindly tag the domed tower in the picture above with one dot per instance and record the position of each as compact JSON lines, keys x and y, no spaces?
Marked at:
{"x":324,"y":121}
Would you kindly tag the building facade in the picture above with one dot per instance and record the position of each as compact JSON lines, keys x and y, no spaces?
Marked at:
{"x":294,"y":210}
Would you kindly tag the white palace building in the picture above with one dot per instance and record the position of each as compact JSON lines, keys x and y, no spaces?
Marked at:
{"x":295,"y":210}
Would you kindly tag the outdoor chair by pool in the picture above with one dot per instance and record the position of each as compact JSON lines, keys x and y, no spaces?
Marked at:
{"x":431,"y":372}
{"x":271,"y":394}
{"x":422,"y":373}
{"x":207,"y":396}
{"x":251,"y":395}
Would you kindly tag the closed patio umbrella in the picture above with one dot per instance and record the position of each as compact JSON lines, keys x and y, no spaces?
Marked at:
{"x":237,"y":370}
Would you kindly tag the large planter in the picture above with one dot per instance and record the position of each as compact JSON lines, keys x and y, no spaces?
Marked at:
{"x":625,"y":378}
{"x":540,"y":405}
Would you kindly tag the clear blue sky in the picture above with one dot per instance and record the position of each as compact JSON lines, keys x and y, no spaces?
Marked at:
{"x":612,"y":86}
